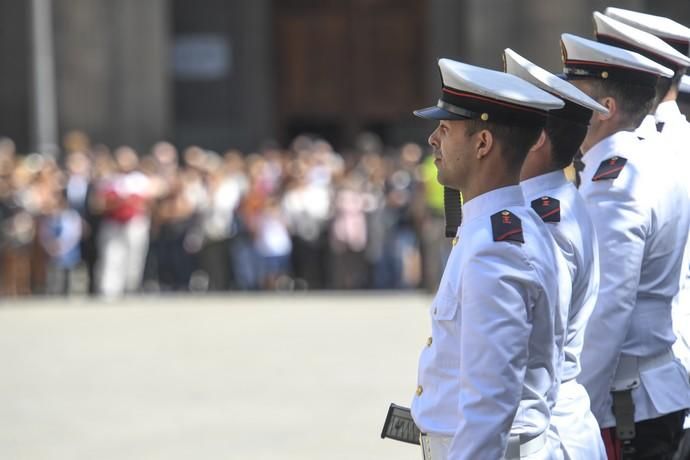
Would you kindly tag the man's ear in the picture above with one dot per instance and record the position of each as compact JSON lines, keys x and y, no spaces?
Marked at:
{"x":540,"y":141}
{"x":484,"y":144}
{"x":611,"y":104}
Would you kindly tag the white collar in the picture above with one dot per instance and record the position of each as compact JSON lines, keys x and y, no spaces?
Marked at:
{"x":491,"y":202}
{"x":616,"y":142}
{"x":537,"y":185}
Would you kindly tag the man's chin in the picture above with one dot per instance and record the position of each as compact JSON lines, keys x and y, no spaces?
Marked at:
{"x":440,"y":179}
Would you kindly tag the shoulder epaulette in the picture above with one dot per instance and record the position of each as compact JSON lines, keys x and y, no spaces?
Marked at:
{"x":506,"y":226}
{"x":610,"y":168}
{"x":549,"y":209}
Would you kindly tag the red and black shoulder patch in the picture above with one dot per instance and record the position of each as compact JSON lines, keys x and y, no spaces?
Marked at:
{"x":610,"y":169}
{"x":506,"y":226}
{"x":549,"y":209}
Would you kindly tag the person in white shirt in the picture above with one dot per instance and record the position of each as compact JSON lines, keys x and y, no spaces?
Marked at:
{"x":488,"y":373}
{"x":641,"y":220}
{"x":123,"y":236}
{"x":557,"y":202}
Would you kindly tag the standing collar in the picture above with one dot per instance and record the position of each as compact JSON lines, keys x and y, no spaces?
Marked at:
{"x":667,"y":111}
{"x":539,"y":184}
{"x":647,"y":129}
{"x":491,"y":202}
{"x":620,"y":141}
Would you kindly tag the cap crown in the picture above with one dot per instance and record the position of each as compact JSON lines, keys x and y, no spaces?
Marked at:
{"x":494,"y":85}
{"x":471,"y":92}
{"x":674,"y":33}
{"x":616,"y":33}
{"x":583,"y":58}
{"x":532,"y":73}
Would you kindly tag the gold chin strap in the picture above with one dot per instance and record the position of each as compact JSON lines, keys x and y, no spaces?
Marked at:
{"x":452,"y":203}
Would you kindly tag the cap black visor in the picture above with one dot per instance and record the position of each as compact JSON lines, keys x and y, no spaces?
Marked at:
{"x":436,"y":113}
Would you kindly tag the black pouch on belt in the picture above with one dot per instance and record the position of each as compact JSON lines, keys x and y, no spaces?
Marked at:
{"x":400,"y":426}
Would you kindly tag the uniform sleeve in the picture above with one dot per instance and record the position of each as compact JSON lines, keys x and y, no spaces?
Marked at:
{"x":585,"y":292}
{"x":621,"y":229}
{"x":494,"y":335}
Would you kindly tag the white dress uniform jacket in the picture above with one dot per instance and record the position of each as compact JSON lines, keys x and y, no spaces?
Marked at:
{"x":558,"y":203}
{"x":641,"y":221}
{"x":489,"y":369}
{"x":674,"y":131}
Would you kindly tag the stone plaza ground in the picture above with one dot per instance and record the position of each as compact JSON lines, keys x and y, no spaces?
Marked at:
{"x":239,"y":377}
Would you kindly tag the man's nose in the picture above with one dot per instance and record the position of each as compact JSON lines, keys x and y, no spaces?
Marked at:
{"x":433,"y":141}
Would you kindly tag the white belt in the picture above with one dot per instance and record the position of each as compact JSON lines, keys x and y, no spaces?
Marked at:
{"x":518,"y":449}
{"x":629,"y":369}
{"x":436,"y":447}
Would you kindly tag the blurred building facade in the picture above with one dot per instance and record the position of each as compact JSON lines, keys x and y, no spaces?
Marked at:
{"x":223,"y":73}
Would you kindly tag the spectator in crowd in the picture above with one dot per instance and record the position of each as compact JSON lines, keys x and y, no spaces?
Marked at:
{"x":244,"y":259}
{"x":307,"y":209}
{"x":59,"y":234}
{"x":226,"y":183}
{"x":399,"y":264}
{"x":173,"y":219}
{"x":348,"y":237}
{"x":123,"y":199}
{"x":273,"y":245}
{"x":433,"y":245}
{"x":16,"y":224}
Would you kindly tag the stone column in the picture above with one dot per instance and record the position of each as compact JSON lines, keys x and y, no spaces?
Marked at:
{"x":257,"y":76}
{"x":112,"y":70}
{"x":44,"y":114}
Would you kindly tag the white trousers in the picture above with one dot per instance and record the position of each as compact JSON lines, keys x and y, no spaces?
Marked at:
{"x":437,"y":448}
{"x":575,"y":425}
{"x":122,"y":252}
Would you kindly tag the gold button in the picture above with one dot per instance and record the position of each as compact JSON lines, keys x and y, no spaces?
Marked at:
{"x":420,"y":390}
{"x":429,"y":341}
{"x":484,"y":116}
{"x":455,"y":241}
{"x":604,"y":74}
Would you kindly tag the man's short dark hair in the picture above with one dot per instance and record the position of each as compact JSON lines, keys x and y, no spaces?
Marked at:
{"x":566,"y":138}
{"x":515,"y":140}
{"x":633,"y":101}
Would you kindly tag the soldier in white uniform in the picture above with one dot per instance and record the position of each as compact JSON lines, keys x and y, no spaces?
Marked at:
{"x":559,"y":205}
{"x":487,"y":376}
{"x":641,"y":224}
{"x":666,"y":128}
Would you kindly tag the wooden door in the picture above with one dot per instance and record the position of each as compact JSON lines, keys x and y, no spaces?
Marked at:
{"x":347,"y":65}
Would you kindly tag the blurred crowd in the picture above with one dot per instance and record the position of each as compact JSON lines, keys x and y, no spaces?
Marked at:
{"x":305,"y":217}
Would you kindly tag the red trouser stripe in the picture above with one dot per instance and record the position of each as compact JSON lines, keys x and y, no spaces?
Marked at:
{"x":613,"y":447}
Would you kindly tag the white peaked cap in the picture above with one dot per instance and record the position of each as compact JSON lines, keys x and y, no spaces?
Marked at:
{"x":471,"y":92}
{"x":578,"y":107}
{"x":584,"y":58}
{"x":616,"y":33}
{"x":667,"y":29}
